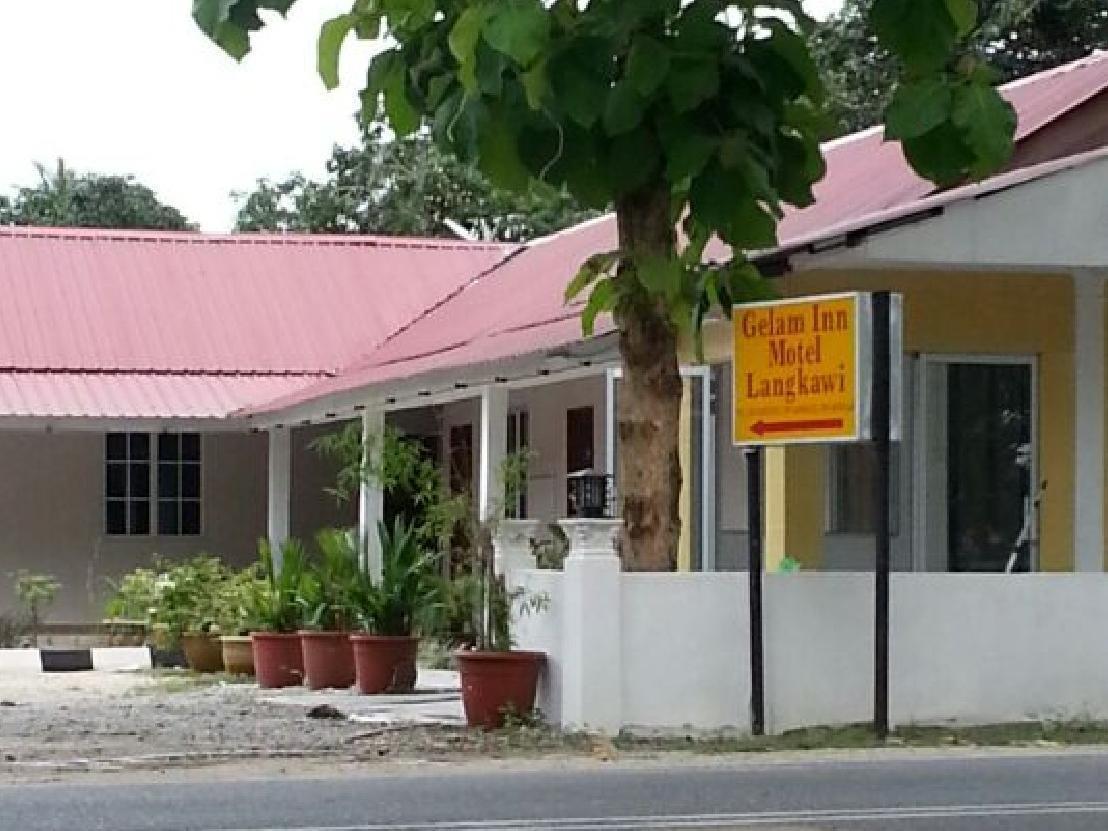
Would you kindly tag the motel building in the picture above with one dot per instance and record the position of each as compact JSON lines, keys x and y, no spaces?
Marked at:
{"x":159,"y":393}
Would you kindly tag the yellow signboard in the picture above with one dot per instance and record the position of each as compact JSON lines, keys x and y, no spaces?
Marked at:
{"x":801,"y":370}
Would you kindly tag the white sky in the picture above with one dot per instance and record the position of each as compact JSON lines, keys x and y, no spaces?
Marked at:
{"x":132,"y":86}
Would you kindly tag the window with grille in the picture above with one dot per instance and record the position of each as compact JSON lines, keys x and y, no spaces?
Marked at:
{"x":153,"y":484}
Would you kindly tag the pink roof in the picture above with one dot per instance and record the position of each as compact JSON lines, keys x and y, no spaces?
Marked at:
{"x":517,"y":309}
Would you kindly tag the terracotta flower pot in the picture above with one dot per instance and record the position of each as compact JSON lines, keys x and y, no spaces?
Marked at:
{"x":238,"y":654}
{"x":278,"y":661}
{"x":202,"y":652}
{"x":498,"y":684}
{"x":385,"y":663}
{"x":328,"y":660}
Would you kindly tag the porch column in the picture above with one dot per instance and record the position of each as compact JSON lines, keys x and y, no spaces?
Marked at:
{"x":494,"y":448}
{"x":371,"y":499}
{"x":1089,"y":417}
{"x":280,"y":488}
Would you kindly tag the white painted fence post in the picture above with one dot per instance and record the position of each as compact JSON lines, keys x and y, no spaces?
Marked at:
{"x":279,"y":470}
{"x":512,"y":545}
{"x":371,"y":499}
{"x":592,"y":677}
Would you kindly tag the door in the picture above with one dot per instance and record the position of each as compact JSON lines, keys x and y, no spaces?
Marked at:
{"x":977,"y":465}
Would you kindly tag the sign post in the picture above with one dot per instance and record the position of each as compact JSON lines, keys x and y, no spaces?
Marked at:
{"x":816,"y":370}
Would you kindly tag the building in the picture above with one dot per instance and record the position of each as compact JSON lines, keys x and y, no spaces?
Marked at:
{"x":158,"y":392}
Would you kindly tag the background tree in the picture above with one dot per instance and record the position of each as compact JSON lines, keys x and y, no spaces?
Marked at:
{"x":699,"y":113}
{"x":65,"y":198}
{"x":406,"y":187}
{"x":1017,"y":37}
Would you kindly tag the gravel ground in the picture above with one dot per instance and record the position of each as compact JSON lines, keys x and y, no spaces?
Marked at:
{"x":91,"y":719}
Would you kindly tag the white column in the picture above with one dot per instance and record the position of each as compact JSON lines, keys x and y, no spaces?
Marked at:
{"x":280,"y":489}
{"x":371,"y":499}
{"x":1089,"y":445}
{"x":592,"y":675}
{"x":494,"y":447}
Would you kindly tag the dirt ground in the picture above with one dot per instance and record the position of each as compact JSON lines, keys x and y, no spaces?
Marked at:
{"x":100,"y":720}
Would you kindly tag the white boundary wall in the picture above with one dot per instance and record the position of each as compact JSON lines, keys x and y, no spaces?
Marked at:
{"x":964,"y":648}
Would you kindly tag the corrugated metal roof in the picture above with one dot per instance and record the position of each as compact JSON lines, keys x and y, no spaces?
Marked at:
{"x":111,"y":300}
{"x":517,"y":309}
{"x":137,"y":395}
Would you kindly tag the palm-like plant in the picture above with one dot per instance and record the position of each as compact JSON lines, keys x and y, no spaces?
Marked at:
{"x":407,"y":593}
{"x":275,"y":604}
{"x":327,"y":590}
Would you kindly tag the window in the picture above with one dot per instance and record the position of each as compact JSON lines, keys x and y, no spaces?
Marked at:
{"x":137,"y":479}
{"x":519,"y":440}
{"x":852,"y":505}
{"x":127,"y":484}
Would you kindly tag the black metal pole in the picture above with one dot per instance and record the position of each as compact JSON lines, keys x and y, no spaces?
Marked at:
{"x":754,"y":569}
{"x":880,"y":418}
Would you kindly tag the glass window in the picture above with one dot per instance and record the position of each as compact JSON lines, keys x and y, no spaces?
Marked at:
{"x":853,"y":504}
{"x":519,"y":440}
{"x":133,"y":482}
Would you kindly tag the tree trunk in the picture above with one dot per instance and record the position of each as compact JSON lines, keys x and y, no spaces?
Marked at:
{"x":649,"y":404}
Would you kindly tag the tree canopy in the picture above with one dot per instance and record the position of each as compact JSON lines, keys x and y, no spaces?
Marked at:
{"x":703,"y":114}
{"x":405,"y":187}
{"x":1017,"y":37}
{"x":65,"y":198}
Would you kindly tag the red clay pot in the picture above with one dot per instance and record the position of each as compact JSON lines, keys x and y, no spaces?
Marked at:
{"x":328,"y":660}
{"x":498,"y":684}
{"x":278,"y":661}
{"x":385,"y":663}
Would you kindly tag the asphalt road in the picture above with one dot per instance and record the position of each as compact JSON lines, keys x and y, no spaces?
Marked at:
{"x":1060,"y":792}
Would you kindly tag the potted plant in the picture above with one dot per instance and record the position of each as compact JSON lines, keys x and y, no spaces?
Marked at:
{"x":237,"y":620}
{"x":189,"y":604}
{"x":497,"y":680}
{"x":324,"y":598}
{"x":391,"y":609}
{"x":35,"y":593}
{"x":275,"y":609}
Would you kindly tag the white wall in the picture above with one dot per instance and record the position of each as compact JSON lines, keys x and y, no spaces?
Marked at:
{"x":964,"y":648}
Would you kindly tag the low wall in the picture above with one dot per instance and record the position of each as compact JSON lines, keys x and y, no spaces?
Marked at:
{"x":963,"y":648}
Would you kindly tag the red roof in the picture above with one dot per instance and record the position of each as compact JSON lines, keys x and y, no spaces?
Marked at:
{"x":517,"y":309}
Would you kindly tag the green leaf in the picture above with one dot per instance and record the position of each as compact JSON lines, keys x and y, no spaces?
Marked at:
{"x":690,"y":83}
{"x":940,"y":156}
{"x":964,"y":15}
{"x":462,"y":42}
{"x":595,"y":267}
{"x":921,"y":32}
{"x":793,"y":51}
{"x":917,"y":107}
{"x":519,"y":29}
{"x":499,"y":156}
{"x":403,"y":117}
{"x":687,"y":152}
{"x":625,"y":109}
{"x":659,"y":275}
{"x":602,"y":299}
{"x":331,"y":38}
{"x":647,"y":65}
{"x":987,"y":123}
{"x":633,"y":159}
{"x":536,"y":85}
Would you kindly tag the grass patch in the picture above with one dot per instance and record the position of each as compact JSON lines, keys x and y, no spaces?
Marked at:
{"x":859,"y":736}
{"x":171,"y":681}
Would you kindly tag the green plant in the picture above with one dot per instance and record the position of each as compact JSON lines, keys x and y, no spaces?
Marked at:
{"x":35,"y":592}
{"x":407,"y":595}
{"x":551,"y":551}
{"x":788,"y":565}
{"x":274,"y":603}
{"x":135,"y":596}
{"x":236,"y":601}
{"x":330,"y":580}
{"x":12,"y":628}
{"x":188,"y":593}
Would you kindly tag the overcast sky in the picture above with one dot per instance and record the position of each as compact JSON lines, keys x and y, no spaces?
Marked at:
{"x":132,"y":86}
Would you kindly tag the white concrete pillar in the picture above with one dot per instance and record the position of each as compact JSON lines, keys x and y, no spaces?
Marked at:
{"x":592,"y":675}
{"x":513,"y":545}
{"x":1089,"y":444}
{"x":493,"y":447}
{"x":371,"y":499}
{"x":279,"y":489}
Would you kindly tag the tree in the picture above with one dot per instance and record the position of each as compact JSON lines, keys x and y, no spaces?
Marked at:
{"x":702,"y":114}
{"x":1017,"y":37}
{"x":64,"y":198}
{"x":405,"y":187}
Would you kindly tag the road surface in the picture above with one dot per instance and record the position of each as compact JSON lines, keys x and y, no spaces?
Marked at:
{"x":1058,"y":791}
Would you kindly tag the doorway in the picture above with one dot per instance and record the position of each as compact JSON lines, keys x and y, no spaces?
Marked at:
{"x":976,"y":469}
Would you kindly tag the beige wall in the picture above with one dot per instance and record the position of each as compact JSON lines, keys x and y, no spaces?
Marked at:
{"x":313,"y":508}
{"x":52,"y":514}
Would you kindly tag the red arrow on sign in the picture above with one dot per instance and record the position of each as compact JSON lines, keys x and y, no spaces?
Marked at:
{"x":760,"y":428}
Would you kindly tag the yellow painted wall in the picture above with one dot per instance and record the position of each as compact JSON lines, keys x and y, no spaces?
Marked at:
{"x":945,"y":313}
